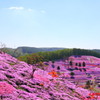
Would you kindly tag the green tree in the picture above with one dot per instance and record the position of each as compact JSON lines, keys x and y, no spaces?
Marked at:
{"x":70,"y":63}
{"x":76,"y":64}
{"x":79,"y":64}
{"x":84,"y":64}
{"x":57,"y":55}
{"x":72,"y":74}
{"x":88,"y":84}
{"x":58,"y":68}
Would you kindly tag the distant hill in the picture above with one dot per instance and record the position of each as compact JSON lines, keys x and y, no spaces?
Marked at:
{"x":56,"y":55}
{"x":27,"y":50}
{"x":96,"y":50}
{"x":20,"y":51}
{"x":30,"y":50}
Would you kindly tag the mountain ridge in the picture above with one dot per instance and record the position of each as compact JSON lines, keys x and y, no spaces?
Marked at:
{"x":22,"y":50}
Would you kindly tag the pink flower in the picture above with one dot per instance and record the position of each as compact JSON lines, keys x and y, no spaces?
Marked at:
{"x":5,"y":88}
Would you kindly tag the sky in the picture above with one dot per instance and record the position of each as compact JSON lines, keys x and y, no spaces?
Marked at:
{"x":50,"y":23}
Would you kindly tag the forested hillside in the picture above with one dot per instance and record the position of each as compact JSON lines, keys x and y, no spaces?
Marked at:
{"x":21,"y":51}
{"x":55,"y":55}
{"x":26,"y":50}
{"x":30,"y":50}
{"x":96,"y":50}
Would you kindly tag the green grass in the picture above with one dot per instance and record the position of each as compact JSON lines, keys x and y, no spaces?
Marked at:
{"x":12,"y":63}
{"x":97,"y":90}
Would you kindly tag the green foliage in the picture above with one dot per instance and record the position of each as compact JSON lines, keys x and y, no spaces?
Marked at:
{"x":79,"y":64}
{"x":88,"y":84}
{"x":76,"y":64}
{"x":12,"y":52}
{"x":71,"y":63}
{"x":72,"y":73}
{"x":55,"y":55}
{"x":58,"y":68}
{"x":31,"y":58}
{"x":84,"y":64}
{"x":31,"y":50}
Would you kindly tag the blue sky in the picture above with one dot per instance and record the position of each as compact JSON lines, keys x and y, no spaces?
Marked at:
{"x":50,"y":23}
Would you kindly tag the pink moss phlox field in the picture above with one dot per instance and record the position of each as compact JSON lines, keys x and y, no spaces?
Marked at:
{"x":19,"y":82}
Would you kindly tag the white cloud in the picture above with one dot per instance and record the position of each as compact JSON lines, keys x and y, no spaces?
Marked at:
{"x":30,"y":9}
{"x":20,"y":8}
{"x":43,"y":11}
{"x":16,"y":8}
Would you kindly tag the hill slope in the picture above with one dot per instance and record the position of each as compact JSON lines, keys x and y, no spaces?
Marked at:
{"x":56,"y":55}
{"x":26,"y":50}
{"x":34,"y":49}
{"x":26,"y":86}
{"x":96,"y":50}
{"x":29,"y":50}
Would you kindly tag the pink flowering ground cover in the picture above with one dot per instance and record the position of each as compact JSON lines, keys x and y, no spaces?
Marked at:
{"x":19,"y":82}
{"x":6,"y":88}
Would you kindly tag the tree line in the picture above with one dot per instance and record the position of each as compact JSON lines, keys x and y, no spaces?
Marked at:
{"x":55,"y":55}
